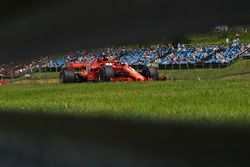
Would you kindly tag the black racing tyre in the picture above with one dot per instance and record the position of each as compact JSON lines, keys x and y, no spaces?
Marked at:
{"x":106,"y":73}
{"x":150,"y":72}
{"x":67,"y":76}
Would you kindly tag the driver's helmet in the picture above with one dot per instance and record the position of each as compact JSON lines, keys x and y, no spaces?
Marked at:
{"x":108,"y":64}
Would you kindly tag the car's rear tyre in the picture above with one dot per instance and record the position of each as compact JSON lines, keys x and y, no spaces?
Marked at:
{"x":150,"y":72}
{"x":67,"y":76}
{"x":106,"y":73}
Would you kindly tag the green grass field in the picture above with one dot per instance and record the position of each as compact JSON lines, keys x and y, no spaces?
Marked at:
{"x":222,"y":96}
{"x":239,"y":70}
{"x":215,"y":102}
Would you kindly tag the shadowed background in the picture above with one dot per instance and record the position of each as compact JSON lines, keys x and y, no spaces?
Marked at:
{"x":40,"y":140}
{"x":31,"y":29}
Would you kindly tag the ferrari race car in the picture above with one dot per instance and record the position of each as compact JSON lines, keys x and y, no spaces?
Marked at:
{"x":103,"y":69}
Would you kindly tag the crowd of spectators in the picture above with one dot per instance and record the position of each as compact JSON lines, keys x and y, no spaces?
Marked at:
{"x":15,"y":70}
{"x":152,"y":55}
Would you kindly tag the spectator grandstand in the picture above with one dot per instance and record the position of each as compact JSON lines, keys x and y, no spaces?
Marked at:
{"x":163,"y":56}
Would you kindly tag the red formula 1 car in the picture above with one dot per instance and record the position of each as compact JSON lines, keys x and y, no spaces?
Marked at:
{"x":103,"y":69}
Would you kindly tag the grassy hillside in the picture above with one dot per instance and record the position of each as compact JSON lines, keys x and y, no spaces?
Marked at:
{"x":241,"y":69}
{"x":196,"y":101}
{"x":216,"y":37}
